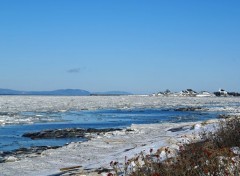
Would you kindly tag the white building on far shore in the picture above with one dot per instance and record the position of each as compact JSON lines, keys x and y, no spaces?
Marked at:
{"x":223,"y":92}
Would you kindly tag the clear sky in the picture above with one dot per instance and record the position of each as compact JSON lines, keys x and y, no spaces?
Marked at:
{"x":140,"y":46}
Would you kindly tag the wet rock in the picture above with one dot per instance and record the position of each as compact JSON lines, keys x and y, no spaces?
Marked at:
{"x":65,"y":133}
{"x":59,"y":133}
{"x":18,"y":154}
{"x":10,"y":114}
{"x":126,"y":150}
{"x":15,"y":155}
{"x":176,"y":129}
{"x":189,"y":109}
{"x":183,"y":128}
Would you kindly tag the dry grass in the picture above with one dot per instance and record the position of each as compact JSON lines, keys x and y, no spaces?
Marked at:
{"x":217,"y":154}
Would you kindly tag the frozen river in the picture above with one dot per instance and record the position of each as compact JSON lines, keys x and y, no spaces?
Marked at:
{"x":42,"y":109}
{"x":20,"y":114}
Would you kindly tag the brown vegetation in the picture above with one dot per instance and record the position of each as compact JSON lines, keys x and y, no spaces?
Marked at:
{"x":216,"y":154}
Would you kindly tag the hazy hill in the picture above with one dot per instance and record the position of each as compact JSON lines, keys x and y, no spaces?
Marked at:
{"x":70,"y":92}
{"x":10,"y":92}
{"x":67,"y":92}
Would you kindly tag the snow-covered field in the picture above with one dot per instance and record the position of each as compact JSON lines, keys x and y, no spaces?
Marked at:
{"x":103,"y":148}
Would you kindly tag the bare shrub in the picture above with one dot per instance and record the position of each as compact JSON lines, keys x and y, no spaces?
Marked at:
{"x":214,"y":156}
{"x":228,"y":133}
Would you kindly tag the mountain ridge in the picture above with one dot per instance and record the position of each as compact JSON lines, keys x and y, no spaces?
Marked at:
{"x":53,"y":92}
{"x":61,"y":92}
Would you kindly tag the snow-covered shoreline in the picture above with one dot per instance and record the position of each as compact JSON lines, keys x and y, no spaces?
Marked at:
{"x":103,"y":148}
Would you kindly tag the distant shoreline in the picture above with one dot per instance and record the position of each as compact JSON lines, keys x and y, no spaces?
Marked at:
{"x":63,"y":92}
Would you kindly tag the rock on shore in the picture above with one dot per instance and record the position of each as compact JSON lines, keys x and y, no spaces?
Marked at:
{"x":66,"y":133}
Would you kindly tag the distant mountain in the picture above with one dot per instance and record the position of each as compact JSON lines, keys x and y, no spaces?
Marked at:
{"x":67,"y":92}
{"x":111,"y":93}
{"x":10,"y":92}
{"x":72,"y":92}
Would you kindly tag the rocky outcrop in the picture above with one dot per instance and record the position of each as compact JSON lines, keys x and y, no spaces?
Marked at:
{"x":15,"y":155}
{"x":65,"y":133}
{"x":18,"y":154}
{"x":189,"y":109}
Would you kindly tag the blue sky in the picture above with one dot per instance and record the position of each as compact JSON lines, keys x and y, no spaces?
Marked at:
{"x":140,"y":46}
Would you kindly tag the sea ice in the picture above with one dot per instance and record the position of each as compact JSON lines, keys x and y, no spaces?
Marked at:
{"x":104,"y":148}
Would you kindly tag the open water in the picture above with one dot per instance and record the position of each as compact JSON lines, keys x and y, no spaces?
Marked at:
{"x":11,"y":135}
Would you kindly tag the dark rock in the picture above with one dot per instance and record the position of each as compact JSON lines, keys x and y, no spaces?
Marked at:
{"x":189,"y":109}
{"x":223,"y":116}
{"x":178,"y":129}
{"x":126,"y":150}
{"x":24,"y":152}
{"x":48,"y":134}
{"x":7,"y":114}
{"x":65,"y":133}
{"x":59,"y":133}
{"x":103,"y":170}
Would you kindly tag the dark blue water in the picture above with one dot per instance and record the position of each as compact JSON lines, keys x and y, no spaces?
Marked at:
{"x":10,"y":135}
